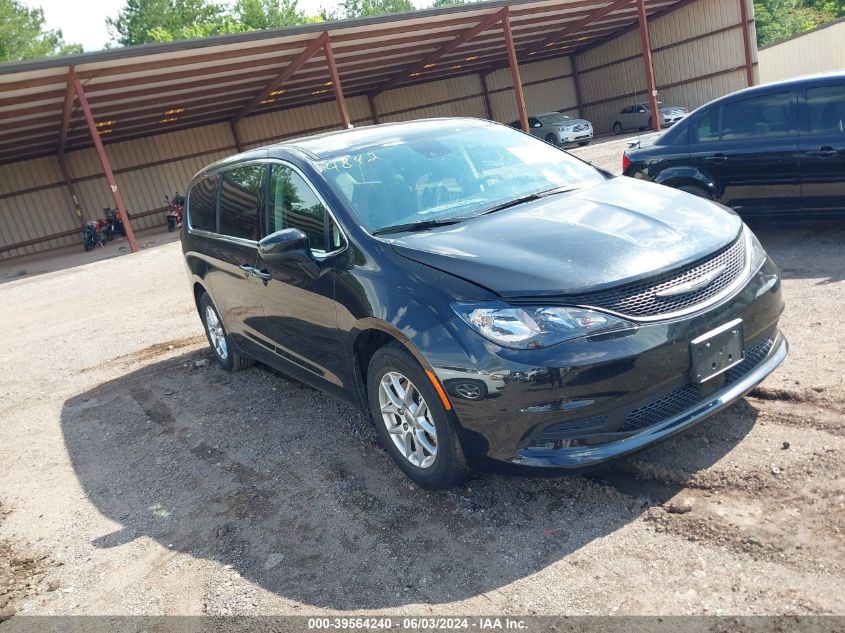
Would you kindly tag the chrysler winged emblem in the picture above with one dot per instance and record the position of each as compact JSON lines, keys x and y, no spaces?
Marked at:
{"x":692,"y":285}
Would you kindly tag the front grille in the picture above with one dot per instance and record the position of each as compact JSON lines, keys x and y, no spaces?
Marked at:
{"x":687,"y":397}
{"x":641,"y":300}
{"x":580,"y":127}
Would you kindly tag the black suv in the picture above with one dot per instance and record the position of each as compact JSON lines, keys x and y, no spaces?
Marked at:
{"x":481,"y":293}
{"x":772,"y":149}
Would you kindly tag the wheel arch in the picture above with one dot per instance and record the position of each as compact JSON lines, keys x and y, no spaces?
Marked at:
{"x":687,"y":176}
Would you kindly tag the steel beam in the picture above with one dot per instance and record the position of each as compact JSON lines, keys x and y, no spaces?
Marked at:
{"x":649,"y":66}
{"x":336,"y":86}
{"x":488,"y":22}
{"x":236,"y":135}
{"x":746,"y":43}
{"x":283,"y":76}
{"x":373,"y":109}
{"x":575,"y":27}
{"x":74,"y":195}
{"x":104,"y":161}
{"x":67,"y":110}
{"x":517,"y":82}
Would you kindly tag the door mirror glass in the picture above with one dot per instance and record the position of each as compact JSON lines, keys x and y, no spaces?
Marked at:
{"x":284,"y":244}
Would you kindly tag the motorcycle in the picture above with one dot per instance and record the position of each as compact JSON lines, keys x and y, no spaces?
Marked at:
{"x":175,"y":207}
{"x":92,"y":234}
{"x":113,"y":224}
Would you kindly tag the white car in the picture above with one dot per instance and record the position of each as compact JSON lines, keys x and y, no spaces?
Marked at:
{"x":558,"y":129}
{"x":638,"y":117}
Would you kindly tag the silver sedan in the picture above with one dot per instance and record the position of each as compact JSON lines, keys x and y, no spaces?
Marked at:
{"x":558,"y":129}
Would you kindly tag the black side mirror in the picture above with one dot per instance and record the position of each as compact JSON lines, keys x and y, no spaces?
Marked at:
{"x":287,"y":244}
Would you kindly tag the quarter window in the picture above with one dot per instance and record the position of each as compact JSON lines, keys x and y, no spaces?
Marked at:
{"x":706,"y":128}
{"x":241,"y":199}
{"x":202,"y":204}
{"x":826,"y":110}
{"x":295,"y":205}
{"x":768,"y":116}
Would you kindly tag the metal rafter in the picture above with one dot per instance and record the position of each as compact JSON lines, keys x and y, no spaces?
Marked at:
{"x":488,"y":22}
{"x":283,"y":76}
{"x":515,"y":78}
{"x":338,"y":89}
{"x":575,"y":27}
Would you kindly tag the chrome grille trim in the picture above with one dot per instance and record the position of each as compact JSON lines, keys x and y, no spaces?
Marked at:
{"x":637,"y":302}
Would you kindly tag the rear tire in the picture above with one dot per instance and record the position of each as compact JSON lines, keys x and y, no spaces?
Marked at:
{"x":224,"y":351}
{"x":398,"y":389}
{"x":696,"y":191}
{"x":617,"y":128}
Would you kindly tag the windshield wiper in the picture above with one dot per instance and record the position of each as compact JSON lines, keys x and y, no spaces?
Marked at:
{"x":417,"y":226}
{"x":523,"y":199}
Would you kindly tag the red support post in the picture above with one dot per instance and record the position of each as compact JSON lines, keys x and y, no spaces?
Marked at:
{"x":649,"y":66}
{"x":746,"y":43}
{"x":236,"y":135}
{"x":517,"y":82}
{"x":373,"y":109}
{"x":104,"y":161}
{"x":338,"y":89}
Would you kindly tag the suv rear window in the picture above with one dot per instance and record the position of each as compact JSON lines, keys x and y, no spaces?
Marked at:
{"x":202,"y":204}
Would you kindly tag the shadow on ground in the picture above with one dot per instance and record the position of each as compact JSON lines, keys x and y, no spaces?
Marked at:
{"x":291,"y":489}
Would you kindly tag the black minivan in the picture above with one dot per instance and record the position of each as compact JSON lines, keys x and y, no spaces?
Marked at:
{"x":773,"y":149}
{"x":479,"y":293}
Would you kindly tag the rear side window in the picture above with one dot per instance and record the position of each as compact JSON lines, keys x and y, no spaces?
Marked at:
{"x":706,"y":128}
{"x":295,"y":205}
{"x":202,"y":204}
{"x":241,"y":200}
{"x":767,"y":116}
{"x":826,"y":110}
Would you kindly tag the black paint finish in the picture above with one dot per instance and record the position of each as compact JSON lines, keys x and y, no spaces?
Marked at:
{"x":316,"y":317}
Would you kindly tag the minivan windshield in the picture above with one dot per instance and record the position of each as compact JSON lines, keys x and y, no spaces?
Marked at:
{"x":423,"y":181}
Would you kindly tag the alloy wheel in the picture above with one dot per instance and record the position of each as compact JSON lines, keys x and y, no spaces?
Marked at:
{"x":216,"y":333}
{"x":408,"y":419}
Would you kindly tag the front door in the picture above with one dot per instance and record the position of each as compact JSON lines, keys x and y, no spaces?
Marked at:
{"x":749,"y":149}
{"x":232,"y":250}
{"x":821,"y":149}
{"x":300,"y":319}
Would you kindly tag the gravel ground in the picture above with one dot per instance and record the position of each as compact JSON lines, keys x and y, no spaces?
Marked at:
{"x":133,"y":481}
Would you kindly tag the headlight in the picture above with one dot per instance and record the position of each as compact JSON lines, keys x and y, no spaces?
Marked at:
{"x":534,"y":326}
{"x":758,"y":253}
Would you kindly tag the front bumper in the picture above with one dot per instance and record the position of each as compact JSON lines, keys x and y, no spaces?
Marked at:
{"x":587,"y":401}
{"x":565,"y":138}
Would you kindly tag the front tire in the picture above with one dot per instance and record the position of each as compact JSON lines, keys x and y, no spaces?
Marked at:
{"x":583,"y":143}
{"x":696,"y":191}
{"x":412,"y":422}
{"x":225,"y":352}
{"x":551,"y":139}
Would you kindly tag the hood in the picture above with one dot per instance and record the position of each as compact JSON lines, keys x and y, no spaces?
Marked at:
{"x":572,"y":122}
{"x":673,"y":110}
{"x":587,"y":240}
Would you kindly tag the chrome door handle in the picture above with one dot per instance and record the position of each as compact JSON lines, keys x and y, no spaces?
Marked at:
{"x":823,"y":152}
{"x":716,"y":158}
{"x":263,"y":275}
{"x":247,"y":268}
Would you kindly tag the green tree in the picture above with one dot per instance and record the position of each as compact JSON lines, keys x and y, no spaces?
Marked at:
{"x":23,"y":36}
{"x":255,"y":15}
{"x":361,"y":8}
{"x":778,"y":19}
{"x":145,"y":21}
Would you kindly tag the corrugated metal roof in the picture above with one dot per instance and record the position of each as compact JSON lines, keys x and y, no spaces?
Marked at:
{"x":150,"y":89}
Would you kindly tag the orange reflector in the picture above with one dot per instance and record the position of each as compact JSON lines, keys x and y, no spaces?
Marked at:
{"x":439,"y":389}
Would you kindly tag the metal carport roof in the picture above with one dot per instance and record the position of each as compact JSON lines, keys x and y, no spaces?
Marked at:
{"x":151,"y":89}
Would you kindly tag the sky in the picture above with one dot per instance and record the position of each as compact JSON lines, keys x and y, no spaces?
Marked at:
{"x":85,"y":22}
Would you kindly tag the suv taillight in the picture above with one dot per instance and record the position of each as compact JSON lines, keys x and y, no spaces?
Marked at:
{"x":626,"y":162}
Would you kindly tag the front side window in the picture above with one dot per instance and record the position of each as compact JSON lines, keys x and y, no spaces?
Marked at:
{"x":767,"y":116}
{"x":202,"y":204}
{"x":453,"y":173}
{"x":826,"y":111}
{"x":295,"y":205}
{"x":241,"y":199}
